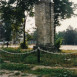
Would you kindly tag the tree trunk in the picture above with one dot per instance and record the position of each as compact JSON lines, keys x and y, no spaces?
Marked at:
{"x":54,"y":34}
{"x":24,"y":33}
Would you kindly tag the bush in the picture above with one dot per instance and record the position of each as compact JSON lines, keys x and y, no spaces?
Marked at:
{"x":24,"y":46}
{"x":9,"y":66}
{"x":1,"y":60}
{"x":58,"y":43}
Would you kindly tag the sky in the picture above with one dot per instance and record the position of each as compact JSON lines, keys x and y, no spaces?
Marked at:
{"x":72,"y":22}
{"x":64,"y":24}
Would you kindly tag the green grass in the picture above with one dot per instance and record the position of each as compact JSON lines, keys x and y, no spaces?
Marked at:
{"x":39,"y":72}
{"x":16,"y":50}
{"x":10,"y":66}
{"x":18,"y":62}
{"x":54,"y":73}
{"x":69,"y":60}
{"x":1,"y":60}
{"x":45,"y":59}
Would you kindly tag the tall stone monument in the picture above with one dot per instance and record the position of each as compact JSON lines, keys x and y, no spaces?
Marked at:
{"x":44,"y":21}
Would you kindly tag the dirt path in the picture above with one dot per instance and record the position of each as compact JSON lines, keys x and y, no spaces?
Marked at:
{"x":8,"y":73}
{"x":68,"y":47}
{"x":49,"y":67}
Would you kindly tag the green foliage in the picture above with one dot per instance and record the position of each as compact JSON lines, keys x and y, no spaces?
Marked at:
{"x":24,"y":46}
{"x":58,"y":43}
{"x":54,"y":72}
{"x":13,"y":50}
{"x":9,"y":66}
{"x":1,"y":60}
{"x":30,"y":59}
{"x":67,"y":60}
{"x":14,"y":15}
{"x":29,"y":37}
{"x":69,"y":36}
{"x":62,"y":10}
{"x":35,"y":36}
{"x":8,"y":30}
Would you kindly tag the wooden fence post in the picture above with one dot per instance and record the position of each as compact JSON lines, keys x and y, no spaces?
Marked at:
{"x":38,"y":55}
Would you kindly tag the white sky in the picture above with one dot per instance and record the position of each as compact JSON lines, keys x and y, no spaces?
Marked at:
{"x":72,"y":21}
{"x":64,"y":24}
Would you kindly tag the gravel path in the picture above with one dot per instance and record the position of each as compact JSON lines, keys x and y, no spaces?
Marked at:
{"x":49,"y":67}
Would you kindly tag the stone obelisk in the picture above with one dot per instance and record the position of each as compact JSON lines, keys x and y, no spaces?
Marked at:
{"x":44,"y":21}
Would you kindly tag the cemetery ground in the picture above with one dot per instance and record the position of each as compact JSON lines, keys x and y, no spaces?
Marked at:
{"x":27,"y":65}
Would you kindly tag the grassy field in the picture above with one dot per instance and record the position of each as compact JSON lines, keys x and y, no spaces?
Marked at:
{"x":66,"y":60}
{"x":40,"y":72}
{"x":19,"y":62}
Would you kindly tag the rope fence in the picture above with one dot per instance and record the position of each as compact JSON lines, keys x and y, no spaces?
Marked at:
{"x":17,"y":53}
{"x":55,"y":52}
{"x":23,"y":55}
{"x":46,"y":51}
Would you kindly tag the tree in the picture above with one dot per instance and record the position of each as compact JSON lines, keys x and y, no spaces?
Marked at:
{"x":17,"y":11}
{"x":1,"y":32}
{"x":7,"y":33}
{"x":69,"y":36}
{"x":14,"y":11}
{"x":76,"y":36}
{"x":62,"y":9}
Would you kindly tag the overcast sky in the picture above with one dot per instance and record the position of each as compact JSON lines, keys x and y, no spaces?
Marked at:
{"x":64,"y":24}
{"x":72,"y":22}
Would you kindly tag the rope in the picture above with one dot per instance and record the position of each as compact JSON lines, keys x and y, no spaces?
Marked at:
{"x":18,"y":53}
{"x":40,"y":50}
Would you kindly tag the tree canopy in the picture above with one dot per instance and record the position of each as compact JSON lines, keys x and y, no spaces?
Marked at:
{"x":69,"y":36}
{"x":15,"y":12}
{"x":62,"y":9}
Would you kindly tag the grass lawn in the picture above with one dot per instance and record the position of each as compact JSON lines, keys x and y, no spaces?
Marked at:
{"x":68,"y":60}
{"x":53,"y":60}
{"x":41,"y":72}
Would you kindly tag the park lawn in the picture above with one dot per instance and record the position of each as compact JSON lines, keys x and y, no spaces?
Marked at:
{"x":66,"y":60}
{"x":40,"y":72}
{"x":16,"y":50}
{"x":54,"y":60}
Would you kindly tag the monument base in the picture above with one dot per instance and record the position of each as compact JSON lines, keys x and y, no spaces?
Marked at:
{"x":48,"y":47}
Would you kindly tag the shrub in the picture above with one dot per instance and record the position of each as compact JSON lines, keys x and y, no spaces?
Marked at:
{"x":24,"y":46}
{"x":54,"y":72}
{"x":1,"y":60}
{"x":58,"y":42}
